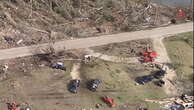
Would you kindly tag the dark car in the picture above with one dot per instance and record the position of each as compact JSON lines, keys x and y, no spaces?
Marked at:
{"x":93,"y":84}
{"x":160,"y":83}
{"x":159,"y":74}
{"x":144,"y":79}
{"x":74,"y":85}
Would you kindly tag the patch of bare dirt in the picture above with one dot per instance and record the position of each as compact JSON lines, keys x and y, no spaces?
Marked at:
{"x":75,"y":74}
{"x":112,"y":58}
{"x":161,"y":50}
{"x":170,"y":87}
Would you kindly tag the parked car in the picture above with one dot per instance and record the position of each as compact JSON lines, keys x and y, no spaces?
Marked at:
{"x":159,"y":74}
{"x":93,"y":84}
{"x":144,"y":79}
{"x":74,"y":85}
{"x":59,"y":65}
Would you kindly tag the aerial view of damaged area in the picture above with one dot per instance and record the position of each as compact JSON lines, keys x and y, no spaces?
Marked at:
{"x":96,"y":55}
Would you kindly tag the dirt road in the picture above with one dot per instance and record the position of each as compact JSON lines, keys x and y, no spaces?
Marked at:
{"x":96,"y":41}
{"x":163,"y":58}
{"x":75,"y":74}
{"x":112,"y":58}
{"x":161,"y":50}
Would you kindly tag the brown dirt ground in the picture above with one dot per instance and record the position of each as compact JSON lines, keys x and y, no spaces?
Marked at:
{"x":125,"y":49}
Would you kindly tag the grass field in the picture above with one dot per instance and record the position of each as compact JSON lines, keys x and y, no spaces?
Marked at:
{"x":45,"y":88}
{"x":180,"y":50}
{"x":118,"y":82}
{"x":43,"y":85}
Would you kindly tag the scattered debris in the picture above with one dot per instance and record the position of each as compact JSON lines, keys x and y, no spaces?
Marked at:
{"x":98,"y":105}
{"x":9,"y":39}
{"x":109,"y":101}
{"x":3,"y":69}
{"x":3,"y":72}
{"x":20,"y":41}
{"x":186,"y":98}
{"x":180,"y":14}
{"x":13,"y":106}
{"x":87,"y":58}
{"x":125,"y":49}
{"x":176,"y":103}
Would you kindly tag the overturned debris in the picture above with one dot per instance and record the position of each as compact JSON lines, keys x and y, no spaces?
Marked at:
{"x":109,"y":101}
{"x":183,"y":102}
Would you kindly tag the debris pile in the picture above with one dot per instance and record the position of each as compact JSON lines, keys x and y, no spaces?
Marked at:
{"x":184,"y":102}
{"x":181,"y":103}
{"x":32,"y":22}
{"x":14,"y":106}
{"x":125,"y":49}
{"x":110,"y":101}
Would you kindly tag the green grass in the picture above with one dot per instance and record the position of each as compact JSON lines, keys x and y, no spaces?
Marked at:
{"x":184,"y":37}
{"x":180,"y":50}
{"x":120,"y":79}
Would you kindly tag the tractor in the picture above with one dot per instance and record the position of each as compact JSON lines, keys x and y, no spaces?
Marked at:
{"x":148,"y":56}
